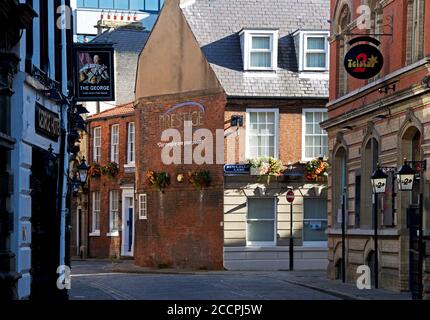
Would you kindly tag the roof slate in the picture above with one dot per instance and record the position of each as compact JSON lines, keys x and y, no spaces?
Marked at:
{"x":216,"y":25}
{"x":123,"y":40}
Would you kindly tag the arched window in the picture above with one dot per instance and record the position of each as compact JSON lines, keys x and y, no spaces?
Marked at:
{"x":370,"y":156}
{"x":411,"y":150}
{"x":415,"y":31}
{"x":342,"y":24}
{"x":339,"y":184}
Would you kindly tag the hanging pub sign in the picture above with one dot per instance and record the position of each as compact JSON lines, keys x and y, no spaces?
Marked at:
{"x":364,"y":61}
{"x":47,"y":123}
{"x":94,"y":73}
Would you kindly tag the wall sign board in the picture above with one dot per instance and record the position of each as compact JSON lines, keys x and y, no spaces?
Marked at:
{"x":47,"y":123}
{"x":363,"y":61}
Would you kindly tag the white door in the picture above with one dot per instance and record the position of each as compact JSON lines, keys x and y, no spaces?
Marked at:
{"x":127,"y":224}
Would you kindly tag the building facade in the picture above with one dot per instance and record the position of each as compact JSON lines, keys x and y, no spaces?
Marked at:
{"x":35,"y":127}
{"x":111,"y":152}
{"x":382,"y":120}
{"x":274,"y":76}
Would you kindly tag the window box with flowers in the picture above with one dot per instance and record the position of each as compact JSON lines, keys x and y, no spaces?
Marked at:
{"x":158,"y":180}
{"x":265,"y":168}
{"x":111,"y":169}
{"x":95,"y":170}
{"x":316,"y":170}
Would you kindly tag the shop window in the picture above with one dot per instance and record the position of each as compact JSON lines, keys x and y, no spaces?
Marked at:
{"x":261,"y":221}
{"x":314,"y":221}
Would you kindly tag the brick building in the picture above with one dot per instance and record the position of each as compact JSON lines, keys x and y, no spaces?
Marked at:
{"x":381,"y":120}
{"x":111,"y":136}
{"x":127,"y":42}
{"x":225,"y":59}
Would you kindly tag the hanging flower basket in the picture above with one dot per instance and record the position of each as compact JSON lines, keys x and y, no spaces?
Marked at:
{"x":316,"y":169}
{"x":200,"y":178}
{"x":158,"y":180}
{"x":111,"y":169}
{"x":95,"y":171}
{"x":265,"y":168}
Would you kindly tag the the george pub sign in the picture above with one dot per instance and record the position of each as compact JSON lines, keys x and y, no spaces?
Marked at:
{"x":94,"y":73}
{"x":363,"y":61}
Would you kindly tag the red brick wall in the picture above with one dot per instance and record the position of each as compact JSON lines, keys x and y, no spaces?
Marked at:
{"x":104,"y":246}
{"x":290,"y":123}
{"x":184,"y":227}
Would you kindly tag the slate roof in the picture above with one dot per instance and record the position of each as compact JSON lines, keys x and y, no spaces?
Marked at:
{"x":123,"y":39}
{"x":122,"y":110}
{"x":216,"y":25}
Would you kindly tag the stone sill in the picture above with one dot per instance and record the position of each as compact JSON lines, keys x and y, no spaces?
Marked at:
{"x":365,"y":232}
{"x":273,"y":248}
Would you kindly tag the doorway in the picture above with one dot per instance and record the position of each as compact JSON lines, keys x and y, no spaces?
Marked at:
{"x":127,"y":222}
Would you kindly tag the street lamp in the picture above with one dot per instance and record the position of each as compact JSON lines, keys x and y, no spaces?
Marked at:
{"x":406,"y":177}
{"x":379,"y":184}
{"x":83,"y":171}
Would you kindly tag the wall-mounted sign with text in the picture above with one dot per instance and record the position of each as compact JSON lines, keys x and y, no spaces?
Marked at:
{"x":94,"y":73}
{"x":47,"y":123}
{"x":235,"y":169}
{"x":364,"y":61}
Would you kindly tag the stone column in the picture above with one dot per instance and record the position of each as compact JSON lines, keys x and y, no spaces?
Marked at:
{"x":8,"y":276}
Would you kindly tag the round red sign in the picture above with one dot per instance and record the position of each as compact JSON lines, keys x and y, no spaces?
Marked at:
{"x":290,"y":196}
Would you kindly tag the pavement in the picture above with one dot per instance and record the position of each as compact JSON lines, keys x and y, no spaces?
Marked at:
{"x":122,"y":280}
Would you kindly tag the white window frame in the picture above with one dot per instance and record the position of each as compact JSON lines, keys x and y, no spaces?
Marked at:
{"x":248,"y":126}
{"x":143,"y":206}
{"x":246,"y":43}
{"x":304,"y":111}
{"x":275,"y":224}
{"x":112,"y":211}
{"x":304,"y":35}
{"x":114,"y":143}
{"x":97,"y":147}
{"x":95,"y":232}
{"x":130,"y":149}
{"x":317,"y":244}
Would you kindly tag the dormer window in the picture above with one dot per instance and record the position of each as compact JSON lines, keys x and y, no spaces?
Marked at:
{"x":259,"y":49}
{"x":313,"y":50}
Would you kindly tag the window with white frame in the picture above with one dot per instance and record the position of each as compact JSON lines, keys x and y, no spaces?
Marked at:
{"x":143,"y":213}
{"x":259,"y":49}
{"x":114,"y":143}
{"x":314,"y":51}
{"x":262,"y":133}
{"x":315,"y":139}
{"x":130,"y":143}
{"x":97,"y":145}
{"x":95,"y":226}
{"x":113,"y":211}
{"x":261,"y":221}
{"x":314,"y":220}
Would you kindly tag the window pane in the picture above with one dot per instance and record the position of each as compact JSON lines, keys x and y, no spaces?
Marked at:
{"x":315,"y":60}
{"x":315,"y":208}
{"x":261,"y":208}
{"x":253,"y":141}
{"x":136,"y":5}
{"x":318,"y":117}
{"x":152,"y":5}
{"x":121,"y":4}
{"x":261,"y":43}
{"x":309,"y":117}
{"x":91,"y":3}
{"x":253,"y":117}
{"x":271,"y":117}
{"x":314,"y":230}
{"x":80,"y":3}
{"x":261,"y":231}
{"x":316,"y":43}
{"x":309,"y":128}
{"x":261,"y":59}
{"x":106,"y":4}
{"x":309,"y":152}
